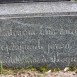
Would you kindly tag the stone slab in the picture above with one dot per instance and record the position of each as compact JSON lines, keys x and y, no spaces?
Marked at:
{"x":31,"y":35}
{"x":36,"y":8}
{"x":38,"y":41}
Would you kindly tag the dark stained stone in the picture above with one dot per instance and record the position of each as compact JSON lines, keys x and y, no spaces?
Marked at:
{"x":15,"y":1}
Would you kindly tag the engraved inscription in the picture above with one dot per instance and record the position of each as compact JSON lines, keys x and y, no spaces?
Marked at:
{"x":38,"y":40}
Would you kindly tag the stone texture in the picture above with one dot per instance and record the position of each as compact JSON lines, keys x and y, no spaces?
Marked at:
{"x":39,"y":40}
{"x":11,"y":1}
{"x":37,"y":8}
{"x":38,"y":36}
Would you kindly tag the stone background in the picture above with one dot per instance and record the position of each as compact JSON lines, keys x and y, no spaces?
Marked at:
{"x":39,"y":41}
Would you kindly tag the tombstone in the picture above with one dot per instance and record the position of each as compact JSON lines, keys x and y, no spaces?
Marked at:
{"x":44,"y":37}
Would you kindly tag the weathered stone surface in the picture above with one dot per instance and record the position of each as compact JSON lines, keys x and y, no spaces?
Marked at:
{"x":37,"y":38}
{"x":34,"y":40}
{"x":11,"y":1}
{"x":37,"y":8}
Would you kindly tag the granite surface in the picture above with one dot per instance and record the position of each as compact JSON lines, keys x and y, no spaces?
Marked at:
{"x":36,"y":8}
{"x":39,"y":41}
{"x":38,"y":36}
